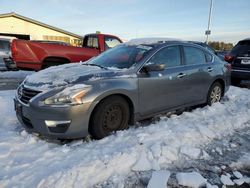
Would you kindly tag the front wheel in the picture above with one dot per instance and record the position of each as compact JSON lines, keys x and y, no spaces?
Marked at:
{"x":110,"y":115}
{"x":214,"y":94}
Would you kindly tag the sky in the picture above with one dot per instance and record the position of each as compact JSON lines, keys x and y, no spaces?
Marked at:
{"x":183,"y":19}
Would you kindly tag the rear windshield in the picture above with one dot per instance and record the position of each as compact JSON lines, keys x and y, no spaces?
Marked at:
{"x":4,"y":45}
{"x":243,"y":47}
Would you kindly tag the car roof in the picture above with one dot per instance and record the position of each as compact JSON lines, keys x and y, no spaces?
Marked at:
{"x":247,"y":39}
{"x":150,"y":41}
{"x":4,"y":39}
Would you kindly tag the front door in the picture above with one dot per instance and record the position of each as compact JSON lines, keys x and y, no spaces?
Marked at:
{"x":162,"y":90}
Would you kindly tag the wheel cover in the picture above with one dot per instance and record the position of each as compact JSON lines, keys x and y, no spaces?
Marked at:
{"x":215,"y":95}
{"x":113,"y":118}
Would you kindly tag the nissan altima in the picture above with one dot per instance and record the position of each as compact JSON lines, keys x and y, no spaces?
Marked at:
{"x":131,"y":82}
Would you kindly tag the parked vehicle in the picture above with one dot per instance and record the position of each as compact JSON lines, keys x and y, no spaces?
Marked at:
{"x":128,"y":83}
{"x":36,"y":55}
{"x":4,"y":52}
{"x":239,"y":57}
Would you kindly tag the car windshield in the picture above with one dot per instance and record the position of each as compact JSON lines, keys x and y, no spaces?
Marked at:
{"x":121,"y":57}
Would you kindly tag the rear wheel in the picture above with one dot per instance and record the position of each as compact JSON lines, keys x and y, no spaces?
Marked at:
{"x":214,"y":94}
{"x":110,"y":115}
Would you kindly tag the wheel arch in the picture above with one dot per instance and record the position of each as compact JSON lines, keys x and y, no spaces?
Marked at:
{"x":124,"y":96}
{"x":54,"y":60}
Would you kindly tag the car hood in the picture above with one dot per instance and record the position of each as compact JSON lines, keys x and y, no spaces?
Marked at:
{"x":59,"y":76}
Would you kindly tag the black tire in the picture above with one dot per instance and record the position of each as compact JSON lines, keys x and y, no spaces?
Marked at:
{"x":235,"y":81}
{"x":215,"y":93}
{"x":110,"y":115}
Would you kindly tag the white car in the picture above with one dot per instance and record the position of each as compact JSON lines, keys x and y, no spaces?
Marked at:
{"x":4,"y":51}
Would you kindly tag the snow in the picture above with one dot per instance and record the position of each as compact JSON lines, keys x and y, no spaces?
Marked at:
{"x":237,"y":174}
{"x":143,"y":163}
{"x":28,"y":161}
{"x":239,"y":181}
{"x":57,"y":76}
{"x":191,"y":152}
{"x":153,"y":40}
{"x":191,"y":179}
{"x":15,"y":74}
{"x":243,"y":162}
{"x":208,"y":185}
{"x":225,"y":179}
{"x":159,"y":179}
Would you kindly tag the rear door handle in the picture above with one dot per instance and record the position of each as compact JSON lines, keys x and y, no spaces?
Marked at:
{"x":181,"y":75}
{"x":210,"y":69}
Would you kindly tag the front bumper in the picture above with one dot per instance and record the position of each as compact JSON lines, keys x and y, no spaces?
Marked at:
{"x":33,"y":118}
{"x":242,"y":74}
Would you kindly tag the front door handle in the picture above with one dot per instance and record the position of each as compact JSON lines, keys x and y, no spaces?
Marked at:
{"x":210,"y":69}
{"x":181,"y":75}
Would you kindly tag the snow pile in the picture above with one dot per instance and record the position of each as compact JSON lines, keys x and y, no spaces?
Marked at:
{"x":27,"y":161}
{"x":226,"y":179}
{"x":159,"y":179}
{"x":243,"y":162}
{"x":191,"y":179}
{"x":15,"y":74}
{"x":237,"y":174}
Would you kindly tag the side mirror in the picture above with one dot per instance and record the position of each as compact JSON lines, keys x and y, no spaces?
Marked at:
{"x":154,"y":67}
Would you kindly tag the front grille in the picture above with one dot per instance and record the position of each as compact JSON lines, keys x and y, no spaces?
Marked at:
{"x":25,"y":94}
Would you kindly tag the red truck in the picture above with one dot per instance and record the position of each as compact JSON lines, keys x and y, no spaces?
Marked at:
{"x":33,"y":55}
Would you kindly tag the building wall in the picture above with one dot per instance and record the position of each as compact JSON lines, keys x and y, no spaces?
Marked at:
{"x":18,"y":26}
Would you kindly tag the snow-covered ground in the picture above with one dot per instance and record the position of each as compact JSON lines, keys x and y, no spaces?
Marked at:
{"x":28,"y":161}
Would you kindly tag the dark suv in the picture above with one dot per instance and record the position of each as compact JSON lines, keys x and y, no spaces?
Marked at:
{"x":239,"y":57}
{"x":130,"y":82}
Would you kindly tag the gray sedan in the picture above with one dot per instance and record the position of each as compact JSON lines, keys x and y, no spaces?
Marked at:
{"x":128,"y":83}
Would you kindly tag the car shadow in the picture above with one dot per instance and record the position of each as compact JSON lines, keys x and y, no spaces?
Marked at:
{"x":244,"y":84}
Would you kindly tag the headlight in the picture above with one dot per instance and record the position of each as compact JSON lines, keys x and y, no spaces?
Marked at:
{"x":70,"y":95}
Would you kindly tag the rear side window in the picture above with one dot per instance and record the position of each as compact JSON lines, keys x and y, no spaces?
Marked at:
{"x":243,"y":47}
{"x":111,"y":42}
{"x":91,"y":42}
{"x":193,"y":55}
{"x":209,"y":57}
{"x":4,"y":45}
{"x":170,"y":56}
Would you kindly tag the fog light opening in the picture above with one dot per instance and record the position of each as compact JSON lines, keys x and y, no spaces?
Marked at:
{"x":51,"y":123}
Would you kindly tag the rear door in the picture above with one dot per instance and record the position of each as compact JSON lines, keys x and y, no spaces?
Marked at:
{"x":200,"y":69}
{"x":161,"y":90}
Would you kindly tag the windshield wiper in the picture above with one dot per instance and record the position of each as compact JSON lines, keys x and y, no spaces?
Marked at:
{"x":91,"y":64}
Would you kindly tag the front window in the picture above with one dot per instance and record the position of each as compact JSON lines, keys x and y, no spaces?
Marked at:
{"x":121,"y":57}
{"x":170,"y":56}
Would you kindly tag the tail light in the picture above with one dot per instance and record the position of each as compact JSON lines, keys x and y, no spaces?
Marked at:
{"x":229,"y":58}
{"x":228,"y":66}
{"x":13,"y":48}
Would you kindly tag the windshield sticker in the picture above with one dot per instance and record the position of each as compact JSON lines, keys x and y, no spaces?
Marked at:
{"x":144,"y":47}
